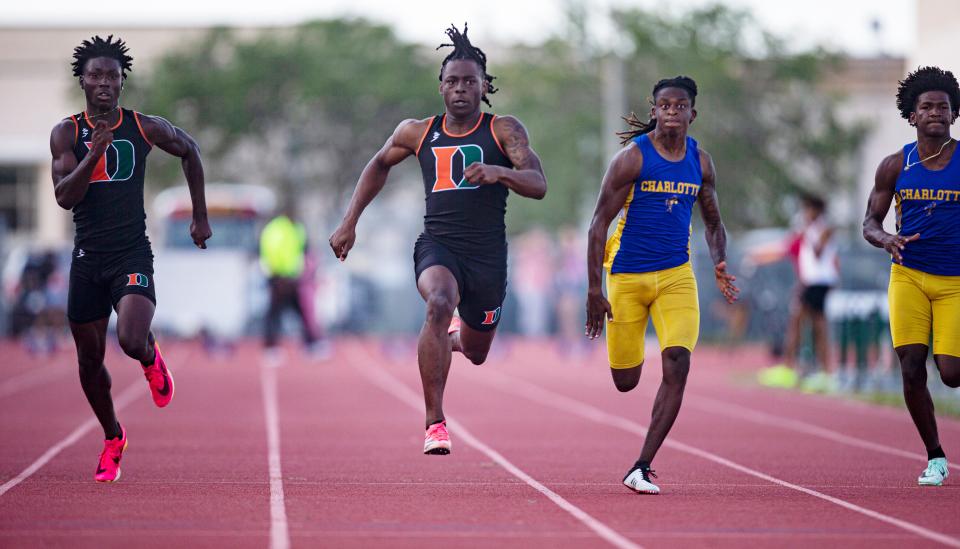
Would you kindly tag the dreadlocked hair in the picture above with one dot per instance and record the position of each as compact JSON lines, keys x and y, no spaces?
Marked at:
{"x":98,"y":47}
{"x":639,"y":127}
{"x":926,"y":79}
{"x":463,"y":49}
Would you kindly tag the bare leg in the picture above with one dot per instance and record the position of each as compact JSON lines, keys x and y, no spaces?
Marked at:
{"x":913,"y":366}
{"x":474,"y":344}
{"x":949,"y":367}
{"x":791,"y":344}
{"x":676,"y":365}
{"x":821,"y":343}
{"x":91,"y":339}
{"x":626,"y":378}
{"x":439,"y":290}
{"x":134,"y":316}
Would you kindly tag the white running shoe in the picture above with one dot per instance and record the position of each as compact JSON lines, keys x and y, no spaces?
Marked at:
{"x":638,"y":480}
{"x":935,"y":473}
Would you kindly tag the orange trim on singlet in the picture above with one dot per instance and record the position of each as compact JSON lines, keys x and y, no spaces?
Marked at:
{"x":115,"y":126}
{"x":444,"y":125}
{"x":424,"y":136}
{"x":76,"y":128}
{"x":136,"y":116}
{"x":494,"y":134}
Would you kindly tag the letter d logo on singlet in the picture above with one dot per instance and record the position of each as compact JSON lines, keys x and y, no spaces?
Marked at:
{"x":116,"y":164}
{"x":450,"y":164}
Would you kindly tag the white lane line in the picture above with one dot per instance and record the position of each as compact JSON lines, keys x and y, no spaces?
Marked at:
{"x":712,"y":405}
{"x":123,"y":399}
{"x":30,"y":379}
{"x":279,"y":532}
{"x":386,"y":381}
{"x":519,"y":387}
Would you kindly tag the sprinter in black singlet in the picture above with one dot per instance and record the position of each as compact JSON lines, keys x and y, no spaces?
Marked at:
{"x":470,"y":161}
{"x":99,"y":161}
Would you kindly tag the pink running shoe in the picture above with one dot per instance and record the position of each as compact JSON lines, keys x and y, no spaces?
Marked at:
{"x":108,"y":470}
{"x":437,"y":440}
{"x":160,"y":379}
{"x":454,"y":325}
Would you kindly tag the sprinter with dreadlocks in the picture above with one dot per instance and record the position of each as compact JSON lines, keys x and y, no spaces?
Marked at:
{"x":470,"y":161}
{"x":654,"y":182}
{"x":924,"y":291}
{"x":99,"y":160}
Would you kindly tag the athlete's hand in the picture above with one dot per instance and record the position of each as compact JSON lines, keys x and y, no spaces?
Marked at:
{"x":894,"y":243}
{"x":479,"y":173}
{"x":102,"y":137}
{"x":200,"y":231}
{"x":598,"y":308}
{"x":342,"y":240}
{"x":725,"y":282}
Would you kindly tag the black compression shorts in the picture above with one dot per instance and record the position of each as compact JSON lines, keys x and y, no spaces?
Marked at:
{"x":99,"y":279}
{"x":482,"y":280}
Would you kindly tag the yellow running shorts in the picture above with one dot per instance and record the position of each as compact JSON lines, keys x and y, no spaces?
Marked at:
{"x":669,"y":296}
{"x":920,"y":302}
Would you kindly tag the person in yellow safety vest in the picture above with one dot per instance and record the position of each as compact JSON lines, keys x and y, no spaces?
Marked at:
{"x":283,"y":258}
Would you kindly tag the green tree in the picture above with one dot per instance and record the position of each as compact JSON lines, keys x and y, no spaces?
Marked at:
{"x":300,"y":107}
{"x":770,"y":128}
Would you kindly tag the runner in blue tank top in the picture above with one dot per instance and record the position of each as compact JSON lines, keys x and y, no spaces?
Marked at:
{"x":924,"y":293}
{"x":470,"y":161}
{"x":654,"y":181}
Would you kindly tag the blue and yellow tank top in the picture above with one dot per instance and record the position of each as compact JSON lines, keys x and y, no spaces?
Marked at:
{"x":928,"y":202}
{"x":653,"y":232}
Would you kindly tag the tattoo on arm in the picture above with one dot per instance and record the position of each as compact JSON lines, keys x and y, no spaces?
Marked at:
{"x":517,"y":146}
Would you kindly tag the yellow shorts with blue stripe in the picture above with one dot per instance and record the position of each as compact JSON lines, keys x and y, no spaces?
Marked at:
{"x":920,"y":303}
{"x":669,"y":297}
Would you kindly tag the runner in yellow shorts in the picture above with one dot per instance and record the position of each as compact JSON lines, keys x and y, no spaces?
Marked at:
{"x":924,"y":292}
{"x":654,"y":181}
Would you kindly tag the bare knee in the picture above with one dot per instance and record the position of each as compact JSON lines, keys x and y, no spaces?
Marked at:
{"x":949,"y":367}
{"x":951,"y":380}
{"x":626,"y":379}
{"x":439,"y":309}
{"x":676,"y":366}
{"x":913,"y":367}
{"x":476,"y":357}
{"x":133,"y":345}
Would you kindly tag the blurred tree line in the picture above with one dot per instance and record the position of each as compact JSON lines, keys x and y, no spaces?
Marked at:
{"x":309,"y":105}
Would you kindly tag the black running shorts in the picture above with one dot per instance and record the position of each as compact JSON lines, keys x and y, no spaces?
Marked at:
{"x":482,"y":280}
{"x":99,"y":279}
{"x":815,"y":297}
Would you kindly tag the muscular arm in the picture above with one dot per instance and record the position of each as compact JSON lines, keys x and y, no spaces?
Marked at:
{"x":177,"y":142}
{"x":70,"y":178}
{"x":716,"y":234}
{"x":403,"y":143}
{"x":878,"y":204}
{"x":527,"y":178}
{"x":622,"y":172}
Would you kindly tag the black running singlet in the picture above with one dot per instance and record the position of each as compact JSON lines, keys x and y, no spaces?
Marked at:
{"x":467,"y":218}
{"x":111,"y":217}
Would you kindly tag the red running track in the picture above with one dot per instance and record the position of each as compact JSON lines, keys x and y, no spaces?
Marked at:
{"x":327,"y":454}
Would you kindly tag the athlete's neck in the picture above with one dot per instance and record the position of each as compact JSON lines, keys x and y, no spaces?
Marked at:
{"x":669,"y":142}
{"x":935,"y":151}
{"x":462,"y":125}
{"x":96,"y":113}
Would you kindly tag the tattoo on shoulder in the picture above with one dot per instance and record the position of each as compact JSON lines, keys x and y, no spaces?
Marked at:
{"x":517,"y":144}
